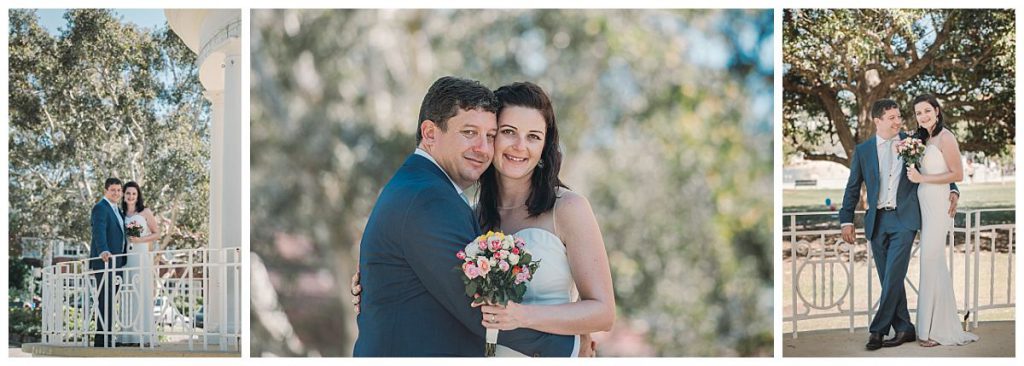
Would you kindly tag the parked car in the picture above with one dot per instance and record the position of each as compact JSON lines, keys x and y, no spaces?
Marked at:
{"x":199,"y":316}
{"x":165,"y":313}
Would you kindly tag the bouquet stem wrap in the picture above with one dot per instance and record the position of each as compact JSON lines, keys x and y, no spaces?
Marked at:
{"x":492,"y":342}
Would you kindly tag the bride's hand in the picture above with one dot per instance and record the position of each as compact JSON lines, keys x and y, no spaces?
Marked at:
{"x":509,"y":317}
{"x":588,"y":346}
{"x":914,"y":175}
{"x":356,"y":289}
{"x":134,"y":239}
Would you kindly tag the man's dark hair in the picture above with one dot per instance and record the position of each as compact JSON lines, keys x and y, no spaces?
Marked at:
{"x":110,"y":182}
{"x":879,"y":107}
{"x":449,"y":94}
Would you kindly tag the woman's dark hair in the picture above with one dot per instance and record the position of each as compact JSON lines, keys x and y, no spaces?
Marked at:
{"x":922,"y":133}
{"x":544,"y":182}
{"x":139,"y":204}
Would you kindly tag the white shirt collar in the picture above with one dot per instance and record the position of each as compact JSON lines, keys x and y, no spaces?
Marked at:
{"x":879,"y":140}
{"x":425,"y":154}
{"x":112,"y":205}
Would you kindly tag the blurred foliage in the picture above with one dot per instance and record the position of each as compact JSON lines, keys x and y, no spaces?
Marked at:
{"x":837,"y":62}
{"x":104,"y":98}
{"x":665,"y":121}
{"x":25,"y":325}
{"x":19,"y":274}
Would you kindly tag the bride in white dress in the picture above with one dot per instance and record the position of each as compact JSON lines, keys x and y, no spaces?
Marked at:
{"x":571,"y":292}
{"x":137,"y":314}
{"x":937,"y":320}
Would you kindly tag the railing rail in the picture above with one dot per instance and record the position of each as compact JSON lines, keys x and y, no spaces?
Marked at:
{"x":824,"y":279}
{"x":158,"y":299}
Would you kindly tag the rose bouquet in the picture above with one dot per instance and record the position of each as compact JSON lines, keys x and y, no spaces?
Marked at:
{"x":911,"y":150}
{"x":496,"y":269}
{"x":133,"y":229}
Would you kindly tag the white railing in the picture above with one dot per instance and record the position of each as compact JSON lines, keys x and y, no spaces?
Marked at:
{"x":831,"y":279}
{"x":159,"y":301}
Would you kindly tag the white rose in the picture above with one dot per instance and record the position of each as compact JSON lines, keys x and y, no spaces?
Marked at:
{"x":472,"y":250}
{"x":507,"y":243}
{"x":513,"y":259}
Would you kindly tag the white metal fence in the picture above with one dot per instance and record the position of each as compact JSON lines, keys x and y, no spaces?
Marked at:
{"x":160,"y":300}
{"x":829,"y":278}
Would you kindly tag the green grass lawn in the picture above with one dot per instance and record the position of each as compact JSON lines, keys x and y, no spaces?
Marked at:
{"x":972,"y":196}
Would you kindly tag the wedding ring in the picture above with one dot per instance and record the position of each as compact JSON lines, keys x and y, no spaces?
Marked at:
{"x":492,"y":319}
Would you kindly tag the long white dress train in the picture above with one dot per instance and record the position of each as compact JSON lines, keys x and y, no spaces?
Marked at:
{"x":937,"y":317}
{"x":137,"y":311}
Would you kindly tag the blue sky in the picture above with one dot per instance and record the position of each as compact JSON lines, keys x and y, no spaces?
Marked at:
{"x":53,"y":19}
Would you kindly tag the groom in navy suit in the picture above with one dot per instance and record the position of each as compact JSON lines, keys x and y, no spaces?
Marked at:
{"x":891,"y":222}
{"x":108,"y":239}
{"x":414,"y":303}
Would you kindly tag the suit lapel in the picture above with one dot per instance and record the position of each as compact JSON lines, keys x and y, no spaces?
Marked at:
{"x":424,"y":163}
{"x":873,"y":165}
{"x":120,"y":220}
{"x":896,"y":160}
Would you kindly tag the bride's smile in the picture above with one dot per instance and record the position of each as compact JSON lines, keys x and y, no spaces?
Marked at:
{"x":519,"y":142}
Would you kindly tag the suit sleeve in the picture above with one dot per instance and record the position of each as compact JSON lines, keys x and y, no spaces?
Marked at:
{"x":99,"y":229}
{"x":436,"y":231}
{"x":852,"y":195}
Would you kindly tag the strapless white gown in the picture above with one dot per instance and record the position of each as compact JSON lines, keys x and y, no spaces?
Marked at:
{"x":937,"y":317}
{"x":552,"y":284}
{"x":137,"y":306}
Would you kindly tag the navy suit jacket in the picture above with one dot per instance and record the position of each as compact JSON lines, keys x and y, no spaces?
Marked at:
{"x":864,"y":169}
{"x":107,"y":235}
{"x":413,"y":301}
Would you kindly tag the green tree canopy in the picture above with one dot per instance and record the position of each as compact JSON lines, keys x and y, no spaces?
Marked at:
{"x":103,"y":99}
{"x":837,"y":62}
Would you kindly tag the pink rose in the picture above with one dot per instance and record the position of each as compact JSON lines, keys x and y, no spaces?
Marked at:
{"x":461,"y":255}
{"x":470,"y":270}
{"x":495,"y":244}
{"x":503,"y":266}
{"x":515,"y":251}
{"x":484,"y":266}
{"x":522,"y":277}
{"x":482,"y":244}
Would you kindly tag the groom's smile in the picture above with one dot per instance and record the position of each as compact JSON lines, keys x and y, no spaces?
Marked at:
{"x":465,"y":148}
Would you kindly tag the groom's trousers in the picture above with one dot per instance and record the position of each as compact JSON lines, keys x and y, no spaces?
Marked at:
{"x":891,"y":247}
{"x":107,"y":290}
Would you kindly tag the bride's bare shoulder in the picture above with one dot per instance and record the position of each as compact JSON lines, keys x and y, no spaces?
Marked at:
{"x":947,"y":138}
{"x":571,"y":203}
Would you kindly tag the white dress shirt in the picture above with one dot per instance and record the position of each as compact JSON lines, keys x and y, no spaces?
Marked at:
{"x":888,"y":176}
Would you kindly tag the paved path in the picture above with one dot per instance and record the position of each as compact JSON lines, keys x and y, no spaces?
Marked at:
{"x":997,"y":340}
{"x":163,"y":350}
